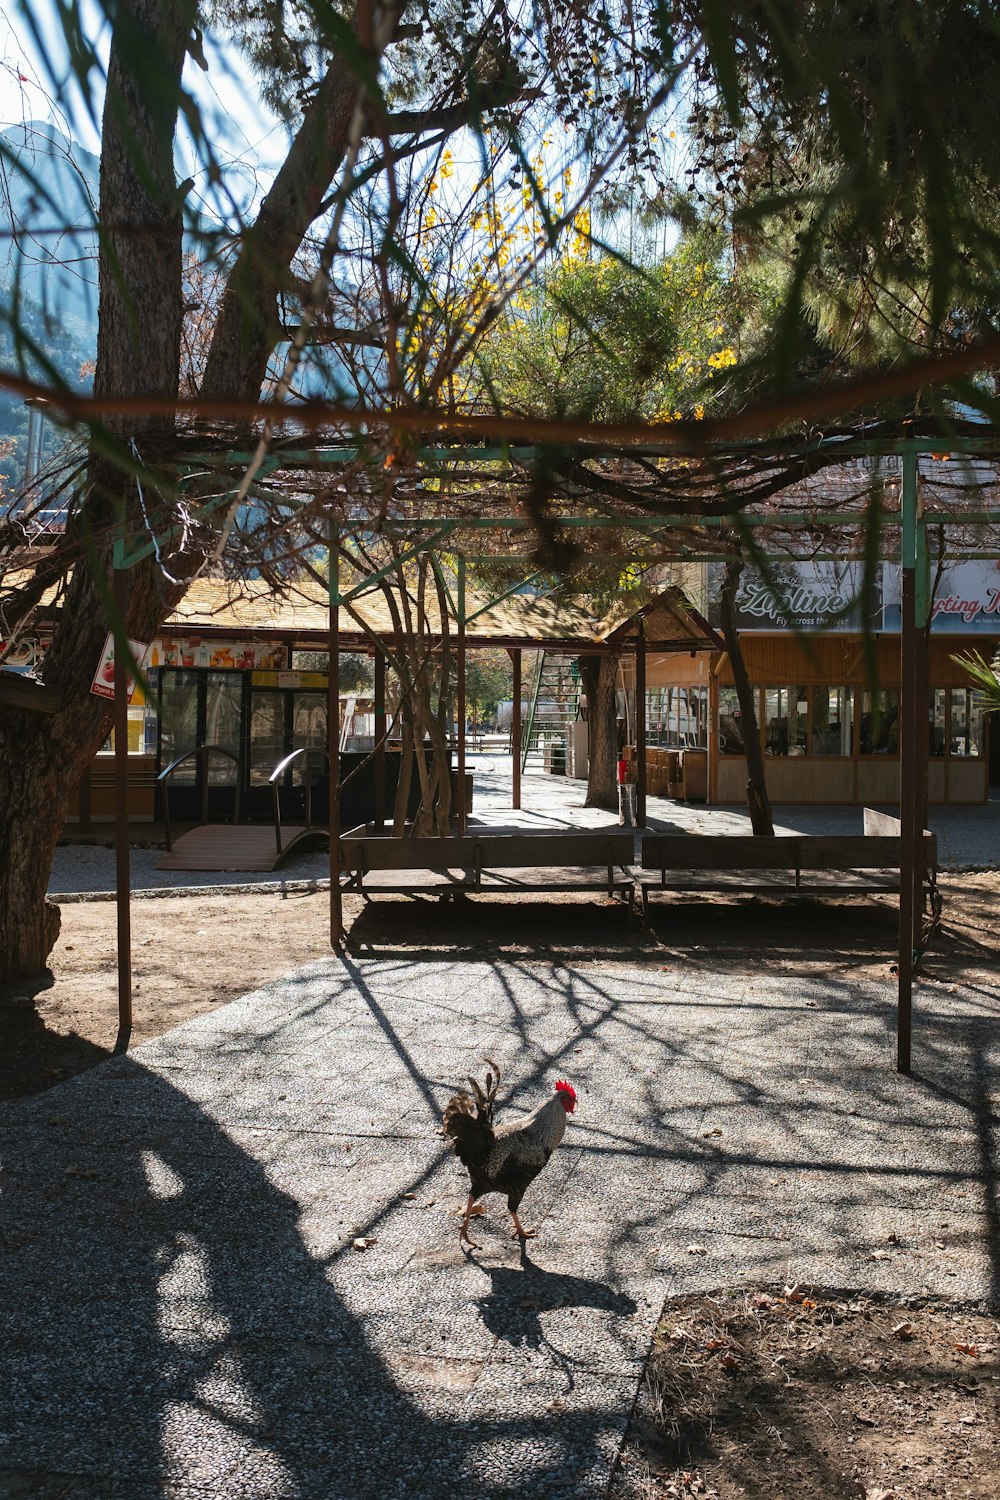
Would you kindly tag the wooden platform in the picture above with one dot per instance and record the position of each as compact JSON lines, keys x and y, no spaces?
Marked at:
{"x":245,"y":846}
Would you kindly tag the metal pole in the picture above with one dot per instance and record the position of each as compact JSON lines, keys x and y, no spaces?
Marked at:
{"x":333,"y":738}
{"x":921,"y":703}
{"x":380,"y":728}
{"x":908,"y":721}
{"x":640,"y":729}
{"x":460,"y":694}
{"x":515,"y":731}
{"x":122,"y":871}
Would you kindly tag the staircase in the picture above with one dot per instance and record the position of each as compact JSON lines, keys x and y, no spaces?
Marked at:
{"x":552,"y":710}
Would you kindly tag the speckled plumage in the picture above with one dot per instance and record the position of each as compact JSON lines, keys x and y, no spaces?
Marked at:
{"x":503,"y":1158}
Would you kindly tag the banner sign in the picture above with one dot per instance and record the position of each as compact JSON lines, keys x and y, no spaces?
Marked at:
{"x":827,"y":596}
{"x":200,"y":651}
{"x":966,"y":598}
{"x":800,"y":596}
{"x":27,"y":654}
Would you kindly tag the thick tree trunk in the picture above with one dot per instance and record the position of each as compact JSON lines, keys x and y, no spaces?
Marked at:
{"x":757,"y":799}
{"x":599,"y":676}
{"x":42,"y":757}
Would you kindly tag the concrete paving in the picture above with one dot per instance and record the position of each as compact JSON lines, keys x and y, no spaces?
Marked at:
{"x":182,"y":1309}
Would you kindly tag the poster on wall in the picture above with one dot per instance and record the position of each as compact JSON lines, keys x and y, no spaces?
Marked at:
{"x":801,"y":596}
{"x":966,"y":598}
{"x":26,"y":654}
{"x":232,"y":656}
{"x":103,"y":685}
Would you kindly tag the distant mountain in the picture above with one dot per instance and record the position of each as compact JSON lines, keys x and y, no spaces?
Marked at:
{"x":48,"y":202}
{"x":48,"y":269}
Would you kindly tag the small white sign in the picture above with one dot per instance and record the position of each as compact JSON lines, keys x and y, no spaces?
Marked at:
{"x":103,"y":685}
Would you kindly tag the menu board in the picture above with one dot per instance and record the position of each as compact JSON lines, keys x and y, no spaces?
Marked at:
{"x":236,"y":656}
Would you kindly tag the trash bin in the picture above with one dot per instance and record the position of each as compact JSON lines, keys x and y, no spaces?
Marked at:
{"x":558,"y":760}
{"x":626,"y":805}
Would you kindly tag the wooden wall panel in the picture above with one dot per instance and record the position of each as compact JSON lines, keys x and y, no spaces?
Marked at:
{"x":677,"y":668}
{"x":878,"y":781}
{"x":141,"y":790}
{"x":784,"y":661}
{"x":791,"y":779}
{"x":967,"y":780}
{"x":936,"y":780}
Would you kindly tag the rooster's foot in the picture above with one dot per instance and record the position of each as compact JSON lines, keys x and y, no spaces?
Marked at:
{"x":465,"y":1237}
{"x":520,"y":1233}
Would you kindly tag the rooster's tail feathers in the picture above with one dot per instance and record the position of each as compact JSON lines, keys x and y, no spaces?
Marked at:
{"x":486,"y":1097}
{"x":468,"y":1125}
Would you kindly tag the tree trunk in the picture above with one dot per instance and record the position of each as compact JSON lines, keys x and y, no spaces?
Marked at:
{"x":43,"y":757}
{"x":599,"y":676}
{"x":757,"y":799}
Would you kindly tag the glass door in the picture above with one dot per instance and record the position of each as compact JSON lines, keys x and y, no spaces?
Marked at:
{"x":283,"y":720}
{"x":197,"y":708}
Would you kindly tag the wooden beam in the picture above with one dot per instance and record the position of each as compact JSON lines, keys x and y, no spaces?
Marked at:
{"x":123,"y":891}
{"x":333,"y":737}
{"x":20,"y":690}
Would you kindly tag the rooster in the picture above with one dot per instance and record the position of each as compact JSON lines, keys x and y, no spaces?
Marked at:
{"x":503,"y":1158}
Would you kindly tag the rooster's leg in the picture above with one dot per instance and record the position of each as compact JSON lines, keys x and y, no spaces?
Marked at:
{"x":463,"y":1234}
{"x":520,"y":1233}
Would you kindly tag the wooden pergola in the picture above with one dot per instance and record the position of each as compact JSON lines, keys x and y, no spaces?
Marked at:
{"x":914,"y":523}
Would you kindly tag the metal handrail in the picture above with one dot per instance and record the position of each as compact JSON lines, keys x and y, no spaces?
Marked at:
{"x":275,"y":777}
{"x":191,"y":755}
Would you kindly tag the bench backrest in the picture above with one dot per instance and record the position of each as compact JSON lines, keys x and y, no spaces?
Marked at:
{"x":362,"y":850}
{"x":667,"y":851}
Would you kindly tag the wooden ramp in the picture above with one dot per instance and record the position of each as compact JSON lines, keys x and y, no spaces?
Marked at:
{"x":223,"y":846}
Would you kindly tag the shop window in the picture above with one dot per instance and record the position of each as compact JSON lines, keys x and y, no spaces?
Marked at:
{"x":832,"y":721}
{"x":267,"y":734}
{"x":697,"y":720}
{"x":179,"y":720}
{"x":966,"y":737}
{"x":880,"y":721}
{"x":677,"y":717}
{"x":785,"y":711}
{"x":223,"y":699}
{"x":937,"y":722}
{"x":731,"y":732}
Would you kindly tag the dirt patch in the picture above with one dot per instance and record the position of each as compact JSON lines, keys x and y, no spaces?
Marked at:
{"x":794,"y":1397}
{"x":190,"y":954}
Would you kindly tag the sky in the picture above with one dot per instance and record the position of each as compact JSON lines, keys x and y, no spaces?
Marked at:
{"x":34,"y":86}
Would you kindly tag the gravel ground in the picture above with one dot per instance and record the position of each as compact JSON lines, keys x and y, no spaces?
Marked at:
{"x":231,"y":1268}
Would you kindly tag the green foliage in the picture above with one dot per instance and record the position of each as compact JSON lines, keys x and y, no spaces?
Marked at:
{"x":602,"y":340}
{"x":488,"y":681}
{"x":983,"y":674}
{"x":857,"y":165}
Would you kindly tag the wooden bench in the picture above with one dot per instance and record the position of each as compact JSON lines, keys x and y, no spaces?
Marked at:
{"x":787,"y":865}
{"x":490,"y":863}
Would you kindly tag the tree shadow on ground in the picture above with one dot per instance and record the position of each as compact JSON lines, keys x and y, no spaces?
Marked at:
{"x":166,"y":1329}
{"x":34,"y":1057}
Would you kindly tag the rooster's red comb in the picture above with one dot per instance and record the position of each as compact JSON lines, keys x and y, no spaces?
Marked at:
{"x":562,"y":1087}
